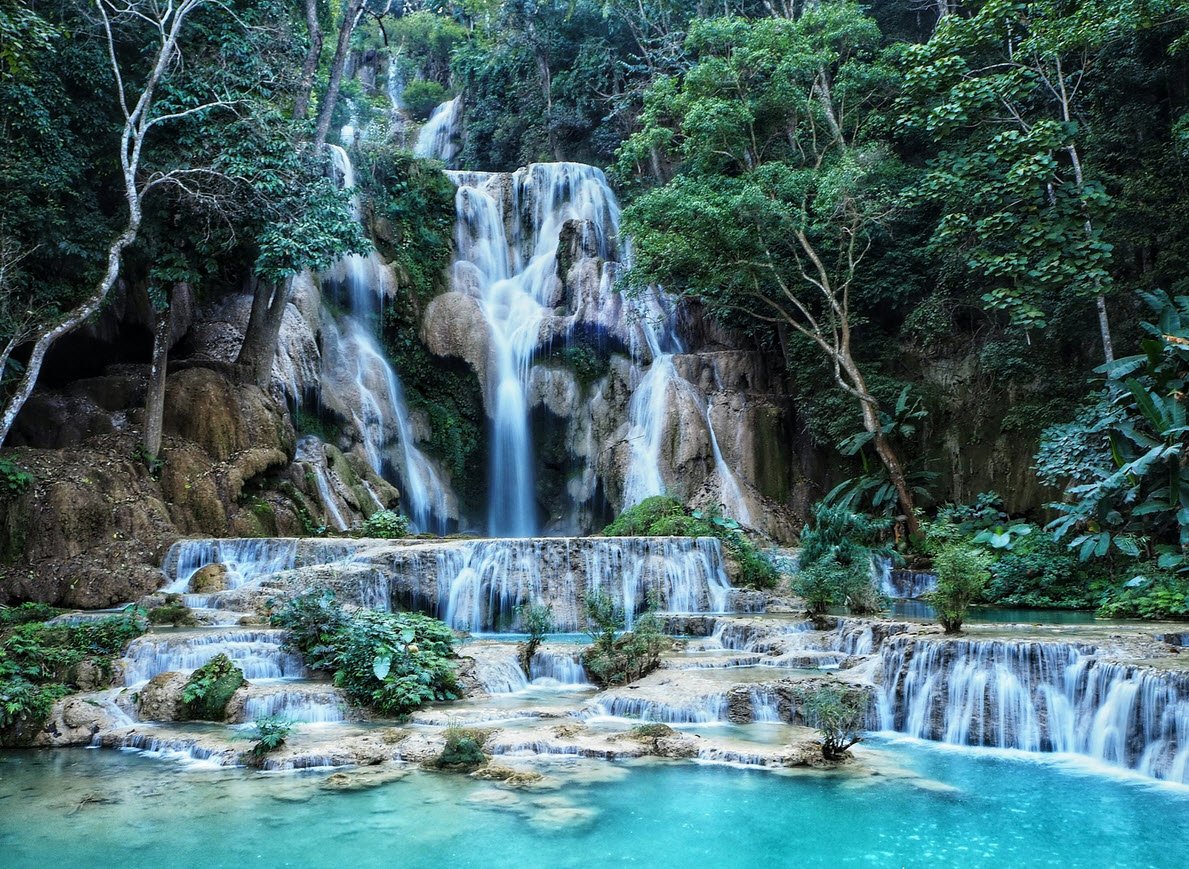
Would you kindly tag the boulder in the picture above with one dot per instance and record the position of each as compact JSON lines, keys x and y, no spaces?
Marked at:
{"x":160,"y":699}
{"x":209,"y":579}
{"x":454,"y":326}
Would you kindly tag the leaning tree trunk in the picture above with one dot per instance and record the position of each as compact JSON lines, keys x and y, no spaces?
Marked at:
{"x":76,"y":318}
{"x":301,"y":104}
{"x":336,"y":71}
{"x":264,"y":329}
{"x":883,"y":448}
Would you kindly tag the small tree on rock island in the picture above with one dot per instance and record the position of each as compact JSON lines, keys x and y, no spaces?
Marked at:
{"x":962,"y":575}
{"x":839,"y":713}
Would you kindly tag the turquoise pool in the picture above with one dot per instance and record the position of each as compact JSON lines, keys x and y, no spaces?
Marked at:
{"x":927,"y":806}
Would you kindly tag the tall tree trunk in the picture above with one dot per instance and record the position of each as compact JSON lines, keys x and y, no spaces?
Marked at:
{"x":264,"y":328}
{"x":165,"y":335}
{"x":301,"y":104}
{"x":350,"y":17}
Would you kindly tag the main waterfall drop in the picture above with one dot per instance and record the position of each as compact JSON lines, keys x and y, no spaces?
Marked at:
{"x":507,"y":238}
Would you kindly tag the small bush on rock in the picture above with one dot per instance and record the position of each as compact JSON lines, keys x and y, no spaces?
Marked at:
{"x":422,"y":96}
{"x":172,"y":612}
{"x":835,"y":566}
{"x":209,"y":689}
{"x":537,"y":621}
{"x":392,"y":662}
{"x":463,"y":750}
{"x":270,"y":734}
{"x":615,"y":659}
{"x":385,"y":524}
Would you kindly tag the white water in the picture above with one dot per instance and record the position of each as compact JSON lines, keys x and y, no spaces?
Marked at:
{"x":1038,"y":697}
{"x":438,"y":139}
{"x":382,"y":415}
{"x":506,"y":243}
{"x":298,"y":705}
{"x":246,"y":559}
{"x":480,"y":583}
{"x":255,"y":651}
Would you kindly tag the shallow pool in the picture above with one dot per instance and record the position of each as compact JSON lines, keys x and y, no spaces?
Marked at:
{"x":926,"y":806}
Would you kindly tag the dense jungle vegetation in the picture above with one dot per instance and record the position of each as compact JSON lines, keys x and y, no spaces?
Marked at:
{"x":877,"y":194}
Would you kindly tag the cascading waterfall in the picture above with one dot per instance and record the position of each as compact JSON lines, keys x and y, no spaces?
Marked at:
{"x":259,"y":653}
{"x":1037,"y":697}
{"x":506,"y":255}
{"x":246,"y":559}
{"x":479,"y":584}
{"x":382,"y":416}
{"x":438,"y":139}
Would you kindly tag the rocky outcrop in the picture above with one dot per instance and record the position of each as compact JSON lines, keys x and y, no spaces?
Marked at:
{"x":91,"y":529}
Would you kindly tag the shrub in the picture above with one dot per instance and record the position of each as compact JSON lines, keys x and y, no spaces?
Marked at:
{"x":638,"y":520}
{"x":1151,"y":594}
{"x":422,"y":96}
{"x":662,"y":516}
{"x":1039,"y":572}
{"x":172,"y":612}
{"x":385,"y":524}
{"x":537,"y":621}
{"x":270,"y":734}
{"x":14,"y":480}
{"x":392,"y":662}
{"x":463,"y":750}
{"x":838,"y":711}
{"x":209,"y":689}
{"x":26,"y":612}
{"x":614,"y":659}
{"x":836,"y":558}
{"x":40,"y":663}
{"x":962,"y":575}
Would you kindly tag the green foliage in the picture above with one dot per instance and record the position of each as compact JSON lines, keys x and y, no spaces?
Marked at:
{"x":962,"y":577}
{"x":14,"y":480}
{"x":422,"y":96}
{"x":837,"y":557}
{"x":838,"y":711}
{"x":270,"y":733}
{"x":209,"y":689}
{"x":1122,"y":467}
{"x":1038,"y":572}
{"x":39,"y":662}
{"x":1151,"y":593}
{"x":536,"y":620}
{"x":26,"y":612}
{"x":173,"y":612}
{"x":392,"y":662}
{"x":662,"y":516}
{"x":463,"y":750}
{"x":385,"y":524}
{"x":614,"y":658}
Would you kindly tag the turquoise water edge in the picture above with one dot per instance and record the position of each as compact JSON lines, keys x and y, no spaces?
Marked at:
{"x":906,"y":804}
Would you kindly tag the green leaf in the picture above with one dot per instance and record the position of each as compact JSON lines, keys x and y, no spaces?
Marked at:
{"x":381,"y":666}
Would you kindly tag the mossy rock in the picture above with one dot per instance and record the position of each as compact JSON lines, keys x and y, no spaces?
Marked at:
{"x":209,"y":579}
{"x":210,"y":689}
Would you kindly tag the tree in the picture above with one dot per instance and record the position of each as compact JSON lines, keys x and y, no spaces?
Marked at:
{"x":1004,"y":90}
{"x":309,"y":67}
{"x":838,"y":711}
{"x":141,"y":117}
{"x":1122,"y":463}
{"x":352,"y":12}
{"x":784,"y":186}
{"x":962,"y":574}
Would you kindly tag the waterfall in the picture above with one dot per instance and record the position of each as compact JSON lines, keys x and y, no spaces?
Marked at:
{"x":381,"y":413}
{"x":311,"y":451}
{"x":257,"y":652}
{"x":551,"y":667}
{"x":246,"y":559}
{"x":439,"y":137}
{"x":480,"y":583}
{"x":1037,"y":697}
{"x":902,"y":584}
{"x":297,"y":705}
{"x":506,"y":244}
